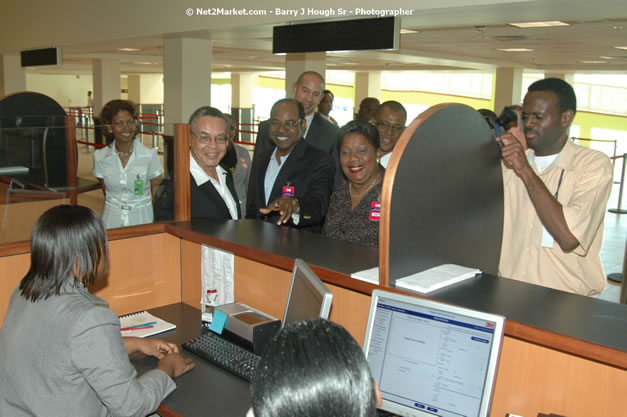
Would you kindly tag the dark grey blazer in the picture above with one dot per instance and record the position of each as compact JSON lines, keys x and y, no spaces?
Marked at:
{"x":309,"y":170}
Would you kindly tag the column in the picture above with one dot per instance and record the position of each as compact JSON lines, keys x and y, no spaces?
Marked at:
{"x":134,"y":88}
{"x":106,"y":73}
{"x":367,"y":84}
{"x":569,"y":77}
{"x":242,"y":90}
{"x":296,"y":64}
{"x":507,"y":88}
{"x":12,"y":75}
{"x":186,"y":78}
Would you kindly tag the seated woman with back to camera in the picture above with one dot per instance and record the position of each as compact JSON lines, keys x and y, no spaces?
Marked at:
{"x":354,"y":209}
{"x":313,"y":368}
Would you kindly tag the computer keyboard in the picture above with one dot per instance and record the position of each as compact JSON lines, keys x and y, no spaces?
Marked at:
{"x":225,"y":354}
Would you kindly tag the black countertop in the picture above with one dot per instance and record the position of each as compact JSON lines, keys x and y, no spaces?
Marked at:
{"x":588,"y":319}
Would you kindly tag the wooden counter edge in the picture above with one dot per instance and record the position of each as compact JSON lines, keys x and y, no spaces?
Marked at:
{"x":566,"y":344}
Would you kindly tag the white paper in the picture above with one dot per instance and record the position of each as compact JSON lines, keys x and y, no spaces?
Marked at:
{"x":436,"y":277}
{"x":217,"y":278}
{"x":369,"y":275}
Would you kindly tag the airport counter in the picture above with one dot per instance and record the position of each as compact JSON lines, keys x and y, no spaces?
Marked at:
{"x":563,"y":354}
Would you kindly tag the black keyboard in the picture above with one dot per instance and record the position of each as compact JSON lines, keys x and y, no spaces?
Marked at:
{"x":225,"y":354}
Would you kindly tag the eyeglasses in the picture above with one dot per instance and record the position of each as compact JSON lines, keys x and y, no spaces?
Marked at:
{"x":290,"y":124}
{"x":121,"y":123}
{"x":386,"y":126}
{"x":206,"y":139}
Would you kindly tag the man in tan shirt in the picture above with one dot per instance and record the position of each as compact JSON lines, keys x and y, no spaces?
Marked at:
{"x":555,"y":197}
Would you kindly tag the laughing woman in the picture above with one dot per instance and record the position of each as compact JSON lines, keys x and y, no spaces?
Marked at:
{"x":127,"y":170}
{"x":353,"y":213}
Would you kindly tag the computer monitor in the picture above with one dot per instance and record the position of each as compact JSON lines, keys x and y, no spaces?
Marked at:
{"x":432,"y":359}
{"x":308,"y":297}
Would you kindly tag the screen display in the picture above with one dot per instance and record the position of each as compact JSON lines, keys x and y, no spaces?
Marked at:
{"x":430,"y":360}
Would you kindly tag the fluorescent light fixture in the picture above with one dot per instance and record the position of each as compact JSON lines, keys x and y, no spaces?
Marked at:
{"x":142,"y":62}
{"x":515,"y":50}
{"x":128,"y":49}
{"x":593,"y":62}
{"x":621,"y":47}
{"x":539,"y":24}
{"x":407,"y":31}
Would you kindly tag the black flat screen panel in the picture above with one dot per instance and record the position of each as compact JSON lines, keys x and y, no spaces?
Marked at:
{"x":345,"y":35}
{"x":37,"y":57}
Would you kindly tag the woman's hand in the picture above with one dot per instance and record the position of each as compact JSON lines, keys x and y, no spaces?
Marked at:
{"x":174,"y":365}
{"x":151,"y":347}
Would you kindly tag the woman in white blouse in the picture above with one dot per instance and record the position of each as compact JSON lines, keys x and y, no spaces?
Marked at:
{"x":127,"y":170}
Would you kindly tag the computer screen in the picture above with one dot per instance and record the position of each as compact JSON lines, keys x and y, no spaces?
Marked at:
{"x":430,"y":358}
{"x":308,"y":297}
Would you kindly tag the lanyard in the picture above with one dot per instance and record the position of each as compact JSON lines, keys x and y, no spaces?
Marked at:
{"x":559,"y":184}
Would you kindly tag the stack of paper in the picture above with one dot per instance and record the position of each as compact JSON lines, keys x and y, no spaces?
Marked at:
{"x":436,"y":278}
{"x":143,"y":324}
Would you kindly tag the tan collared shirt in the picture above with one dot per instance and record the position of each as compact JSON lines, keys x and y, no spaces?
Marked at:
{"x":583,"y":193}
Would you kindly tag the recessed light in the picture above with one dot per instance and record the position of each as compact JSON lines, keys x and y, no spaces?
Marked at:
{"x":593,"y":62}
{"x":515,"y":50}
{"x":407,"y":31}
{"x":539,"y":24}
{"x":621,"y":47}
{"x":128,"y":49}
{"x":142,"y":62}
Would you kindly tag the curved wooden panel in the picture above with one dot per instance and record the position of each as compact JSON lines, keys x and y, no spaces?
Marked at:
{"x":442,"y":199}
{"x":182,"y":205}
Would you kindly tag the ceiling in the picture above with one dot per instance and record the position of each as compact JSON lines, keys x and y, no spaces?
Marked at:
{"x":458,"y":38}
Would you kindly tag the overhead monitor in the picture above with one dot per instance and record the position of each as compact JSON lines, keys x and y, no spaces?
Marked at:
{"x":39,"y":57}
{"x":308,"y":297}
{"x":382,"y":33}
{"x":432,"y":359}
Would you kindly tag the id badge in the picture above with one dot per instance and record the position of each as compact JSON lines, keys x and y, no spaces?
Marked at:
{"x":288,"y":191}
{"x":547,"y":239}
{"x":138,"y":186}
{"x":375,"y":211}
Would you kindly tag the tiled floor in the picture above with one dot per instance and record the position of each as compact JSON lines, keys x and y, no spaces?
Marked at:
{"x":613,"y":251}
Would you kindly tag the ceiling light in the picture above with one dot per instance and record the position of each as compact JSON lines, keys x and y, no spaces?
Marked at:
{"x":539,"y":24}
{"x":142,"y":62}
{"x":621,"y":47}
{"x":406,"y":31}
{"x":515,"y":50}
{"x":593,"y":62}
{"x":128,"y":49}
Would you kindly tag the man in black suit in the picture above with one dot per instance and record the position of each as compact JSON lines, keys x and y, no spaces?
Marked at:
{"x":290,"y":183}
{"x":212,"y":190}
{"x":320,"y":133}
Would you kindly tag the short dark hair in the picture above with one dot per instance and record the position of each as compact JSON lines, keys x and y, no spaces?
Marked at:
{"x":563,"y":90}
{"x":67,"y":241}
{"x":301,"y":76}
{"x":394,"y":106}
{"x":313,"y":368}
{"x":207,"y":111}
{"x":359,"y":126}
{"x":114,"y":107}
{"x":301,"y":109}
{"x":328,"y":92}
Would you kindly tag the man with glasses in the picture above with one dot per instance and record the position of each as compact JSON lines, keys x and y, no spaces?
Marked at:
{"x":320,"y":133}
{"x":212,"y":190}
{"x":390,"y":120}
{"x":290,"y":183}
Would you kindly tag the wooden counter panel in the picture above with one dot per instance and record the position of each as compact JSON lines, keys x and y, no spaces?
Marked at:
{"x":12,"y":270}
{"x":191,"y":261}
{"x":145,"y":272}
{"x":532,"y":379}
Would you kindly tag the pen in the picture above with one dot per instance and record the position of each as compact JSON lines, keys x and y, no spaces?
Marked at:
{"x":137,"y":328}
{"x":140,"y":325}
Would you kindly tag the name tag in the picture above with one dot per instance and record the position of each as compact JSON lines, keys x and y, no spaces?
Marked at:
{"x":547,"y":239}
{"x":375,"y":211}
{"x":288,"y":191}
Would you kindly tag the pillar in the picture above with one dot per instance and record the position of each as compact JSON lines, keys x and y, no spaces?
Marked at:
{"x":242,"y":91}
{"x":367,"y":84}
{"x":106,"y":79}
{"x":296,"y":64}
{"x":507,"y":88}
{"x":12,"y":75}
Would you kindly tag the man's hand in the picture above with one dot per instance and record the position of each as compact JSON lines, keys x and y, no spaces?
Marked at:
{"x":513,"y":155}
{"x":285,"y":206}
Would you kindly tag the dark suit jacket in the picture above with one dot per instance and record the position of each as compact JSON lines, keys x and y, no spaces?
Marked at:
{"x":205,"y":201}
{"x":309,"y":170}
{"x":322,"y":135}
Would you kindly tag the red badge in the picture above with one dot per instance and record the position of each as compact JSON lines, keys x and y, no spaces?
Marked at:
{"x":375,"y":211}
{"x":244,"y":164}
{"x":288,"y":191}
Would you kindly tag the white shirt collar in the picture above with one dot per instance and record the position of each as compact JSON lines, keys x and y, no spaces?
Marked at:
{"x":309,"y":121}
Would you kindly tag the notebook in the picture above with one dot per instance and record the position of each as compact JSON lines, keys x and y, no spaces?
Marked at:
{"x":432,"y":359}
{"x":143,"y":324}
